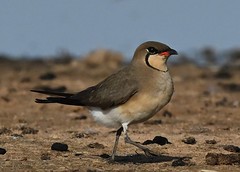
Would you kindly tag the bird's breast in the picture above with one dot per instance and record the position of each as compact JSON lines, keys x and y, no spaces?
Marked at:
{"x":149,"y":101}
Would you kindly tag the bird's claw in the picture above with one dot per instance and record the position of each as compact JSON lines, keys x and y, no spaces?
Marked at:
{"x":149,"y":152}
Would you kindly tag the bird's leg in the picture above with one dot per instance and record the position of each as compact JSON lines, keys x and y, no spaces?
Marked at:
{"x":118,"y":134}
{"x":127,"y":139}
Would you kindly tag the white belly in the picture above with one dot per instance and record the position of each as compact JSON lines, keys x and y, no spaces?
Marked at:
{"x":108,"y":118}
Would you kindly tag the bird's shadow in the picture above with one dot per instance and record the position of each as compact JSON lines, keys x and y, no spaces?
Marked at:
{"x":142,"y":159}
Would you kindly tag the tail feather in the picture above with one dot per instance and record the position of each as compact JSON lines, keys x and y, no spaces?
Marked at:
{"x":53,"y":93}
{"x":58,"y":97}
{"x":61,"y":100}
{"x":43,"y":101}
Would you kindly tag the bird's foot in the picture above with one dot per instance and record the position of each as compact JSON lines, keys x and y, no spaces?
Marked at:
{"x":149,"y":152}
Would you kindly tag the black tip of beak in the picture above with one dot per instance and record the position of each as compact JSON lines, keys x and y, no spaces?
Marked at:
{"x":173,"y":52}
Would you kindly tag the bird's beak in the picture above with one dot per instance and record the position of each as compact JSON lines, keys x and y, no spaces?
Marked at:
{"x":173,"y":52}
{"x":169,"y":53}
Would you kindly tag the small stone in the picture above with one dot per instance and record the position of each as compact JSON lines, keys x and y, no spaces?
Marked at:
{"x":189,"y":140}
{"x":5,"y":131}
{"x":16,"y":136}
{"x":79,"y":135}
{"x":59,"y":146}
{"x":223,"y":75}
{"x":78,"y":154}
{"x":182,"y":162}
{"x":96,"y":145}
{"x":47,"y":76}
{"x":211,"y":142}
{"x":231,"y":148}
{"x":154,"y":122}
{"x":25,"y":80}
{"x":28,"y":130}
{"x":222,"y":159}
{"x":45,"y":156}
{"x":167,"y":113}
{"x":178,"y":162}
{"x":161,"y":140}
{"x":82,"y":117}
{"x":158,"y":140}
{"x":2,"y":151}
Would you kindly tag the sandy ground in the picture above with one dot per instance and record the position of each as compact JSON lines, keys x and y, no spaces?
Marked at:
{"x":205,"y":106}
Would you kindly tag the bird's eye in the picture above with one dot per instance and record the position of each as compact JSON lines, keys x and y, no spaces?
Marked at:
{"x":152,"y":50}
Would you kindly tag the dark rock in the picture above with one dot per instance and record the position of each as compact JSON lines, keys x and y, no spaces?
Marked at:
{"x":189,"y":140}
{"x":182,"y":162}
{"x":45,"y":156}
{"x":223,"y":75}
{"x":6,"y":99}
{"x":161,"y":140}
{"x":2,"y":151}
{"x":16,"y":136}
{"x":59,"y":146}
{"x":158,"y":140}
{"x":79,"y":135}
{"x":22,"y":121}
{"x":96,"y":145}
{"x":222,"y":159}
{"x":232,"y":87}
{"x":154,"y":122}
{"x":82,"y":117}
{"x":25,"y":80}
{"x":167,"y":114}
{"x":222,"y":102}
{"x":211,"y":142}
{"x":231,"y":148}
{"x":5,"y":130}
{"x":28,"y":130}
{"x":47,"y":76}
{"x":78,"y":154}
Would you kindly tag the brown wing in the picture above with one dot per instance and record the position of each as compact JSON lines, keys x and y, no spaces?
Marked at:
{"x":113,"y":91}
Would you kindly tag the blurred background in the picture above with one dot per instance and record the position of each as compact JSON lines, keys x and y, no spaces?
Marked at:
{"x":67,"y":46}
{"x":48,"y":28}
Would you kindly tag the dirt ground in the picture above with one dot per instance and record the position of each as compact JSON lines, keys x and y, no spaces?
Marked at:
{"x":205,"y":106}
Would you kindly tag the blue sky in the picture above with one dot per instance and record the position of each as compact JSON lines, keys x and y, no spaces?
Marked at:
{"x":45,"y":27}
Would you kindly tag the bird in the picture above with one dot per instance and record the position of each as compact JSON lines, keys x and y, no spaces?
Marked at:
{"x":132,"y":95}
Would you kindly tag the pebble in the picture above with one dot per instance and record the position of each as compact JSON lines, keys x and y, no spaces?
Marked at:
{"x":82,"y":117}
{"x":222,"y":159}
{"x":182,"y":162}
{"x":5,"y":131}
{"x":211,"y":142}
{"x":158,"y":140}
{"x":96,"y":145}
{"x":2,"y":151}
{"x":167,"y":113}
{"x":223,"y":75}
{"x":59,"y":146}
{"x":28,"y":130}
{"x":154,"y":122}
{"x":47,"y":76}
{"x":231,"y":148}
{"x":189,"y":140}
{"x":16,"y":136}
{"x":45,"y":156}
{"x":161,"y":140}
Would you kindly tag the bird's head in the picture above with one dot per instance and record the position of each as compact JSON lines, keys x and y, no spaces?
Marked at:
{"x":153,"y":55}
